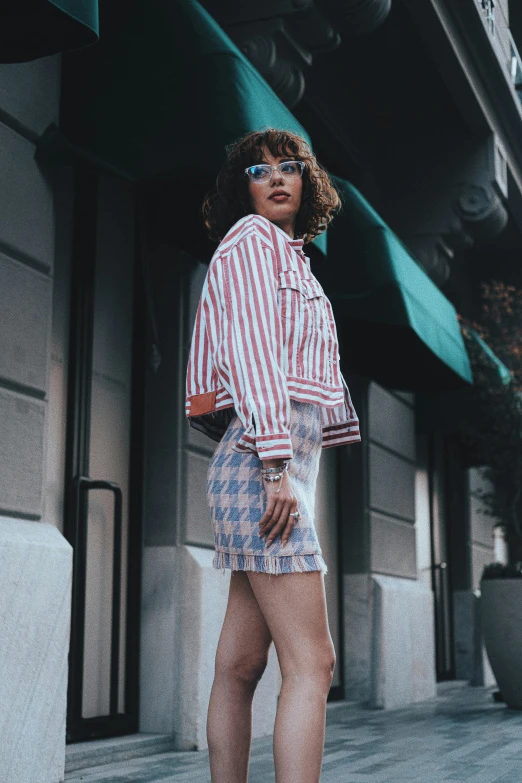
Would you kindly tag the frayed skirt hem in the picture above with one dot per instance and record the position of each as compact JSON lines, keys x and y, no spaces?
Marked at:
{"x":269,"y":564}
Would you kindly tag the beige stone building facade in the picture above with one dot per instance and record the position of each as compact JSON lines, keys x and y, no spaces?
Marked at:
{"x":111,"y":607}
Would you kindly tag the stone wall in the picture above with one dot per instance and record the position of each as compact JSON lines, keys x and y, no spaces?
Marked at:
{"x":388,"y":602}
{"x":35,"y":559}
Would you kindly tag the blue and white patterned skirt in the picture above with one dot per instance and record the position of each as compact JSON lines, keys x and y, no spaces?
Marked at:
{"x":237,"y":500}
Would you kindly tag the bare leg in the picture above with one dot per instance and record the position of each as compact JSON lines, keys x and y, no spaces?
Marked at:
{"x":294,"y":607}
{"x":241,"y":659}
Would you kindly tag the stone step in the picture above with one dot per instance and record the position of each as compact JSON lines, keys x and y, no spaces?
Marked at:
{"x":93,"y":753}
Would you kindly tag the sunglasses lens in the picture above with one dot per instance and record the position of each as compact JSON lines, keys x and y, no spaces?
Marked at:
{"x":259,"y":173}
{"x":291,"y":168}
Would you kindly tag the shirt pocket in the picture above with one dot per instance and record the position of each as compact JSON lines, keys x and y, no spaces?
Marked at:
{"x":307,"y":332}
{"x":301,"y":299}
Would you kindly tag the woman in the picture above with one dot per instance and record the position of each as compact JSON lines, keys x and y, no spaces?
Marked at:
{"x":263,"y":379}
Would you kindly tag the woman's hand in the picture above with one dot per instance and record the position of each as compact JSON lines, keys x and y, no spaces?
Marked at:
{"x":279,"y":504}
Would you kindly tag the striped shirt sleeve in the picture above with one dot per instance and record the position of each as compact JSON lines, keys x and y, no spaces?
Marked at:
{"x":253,"y":337}
{"x":340,"y":423}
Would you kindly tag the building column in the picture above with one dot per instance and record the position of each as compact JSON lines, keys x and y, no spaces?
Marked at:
{"x":388,"y":610}
{"x":35,"y":598}
{"x":35,"y":559}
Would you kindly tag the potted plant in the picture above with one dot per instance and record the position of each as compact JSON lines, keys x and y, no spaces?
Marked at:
{"x":492,"y":432}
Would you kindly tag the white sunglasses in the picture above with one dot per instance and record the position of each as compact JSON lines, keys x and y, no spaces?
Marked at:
{"x":262,"y":172}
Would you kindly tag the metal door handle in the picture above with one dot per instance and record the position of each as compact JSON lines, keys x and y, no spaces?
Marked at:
{"x":83,"y":484}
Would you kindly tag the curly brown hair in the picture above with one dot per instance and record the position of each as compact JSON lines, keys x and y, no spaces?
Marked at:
{"x":229,"y":200}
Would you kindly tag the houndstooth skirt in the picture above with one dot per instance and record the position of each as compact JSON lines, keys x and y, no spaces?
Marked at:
{"x":237,"y":500}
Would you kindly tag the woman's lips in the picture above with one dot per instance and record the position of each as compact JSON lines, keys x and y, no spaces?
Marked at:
{"x":280,"y":198}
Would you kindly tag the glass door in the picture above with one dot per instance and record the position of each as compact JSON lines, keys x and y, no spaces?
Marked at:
{"x":104,"y":458}
{"x":441,"y":579}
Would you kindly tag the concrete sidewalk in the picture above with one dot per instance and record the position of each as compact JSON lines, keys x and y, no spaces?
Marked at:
{"x":463,"y":734}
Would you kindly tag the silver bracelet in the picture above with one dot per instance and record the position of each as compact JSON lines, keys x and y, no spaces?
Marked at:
{"x":275,"y":469}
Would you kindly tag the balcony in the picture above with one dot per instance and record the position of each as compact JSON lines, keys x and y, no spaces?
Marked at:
{"x":497,"y":26}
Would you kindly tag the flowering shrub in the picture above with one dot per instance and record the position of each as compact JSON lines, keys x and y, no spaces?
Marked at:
{"x":501,"y":325}
{"x":492,"y":426}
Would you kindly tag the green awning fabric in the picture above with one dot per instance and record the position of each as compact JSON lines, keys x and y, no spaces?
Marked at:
{"x":162,"y":95}
{"x":37,"y":28}
{"x":504,"y":375}
{"x":396,"y":325}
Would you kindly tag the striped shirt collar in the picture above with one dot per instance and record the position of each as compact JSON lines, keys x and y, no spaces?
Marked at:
{"x":296,"y":244}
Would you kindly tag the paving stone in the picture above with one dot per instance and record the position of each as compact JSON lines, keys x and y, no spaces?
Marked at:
{"x":461,"y":735}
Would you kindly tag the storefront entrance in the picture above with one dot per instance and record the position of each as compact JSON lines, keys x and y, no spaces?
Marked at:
{"x":104,"y":459}
{"x":440,"y":554}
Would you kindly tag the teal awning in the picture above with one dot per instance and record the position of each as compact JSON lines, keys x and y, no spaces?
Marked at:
{"x":37,"y":28}
{"x":397,"y":326}
{"x":162,"y":95}
{"x":501,"y":371}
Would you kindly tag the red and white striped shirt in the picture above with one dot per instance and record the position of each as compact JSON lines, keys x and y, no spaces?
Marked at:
{"x":264,"y":334}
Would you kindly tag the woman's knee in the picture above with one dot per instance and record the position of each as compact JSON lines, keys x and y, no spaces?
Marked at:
{"x":244,"y":669}
{"x":325,"y":665}
{"x":315,"y":665}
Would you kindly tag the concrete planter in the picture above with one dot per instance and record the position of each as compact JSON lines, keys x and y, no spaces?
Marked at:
{"x":501,"y":604}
